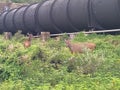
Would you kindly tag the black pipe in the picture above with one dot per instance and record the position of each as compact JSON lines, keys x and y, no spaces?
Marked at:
{"x":107,"y":13}
{"x":2,"y":25}
{"x":59,"y":16}
{"x":43,"y":16}
{"x":29,"y":17}
{"x":18,"y":19}
{"x":8,"y":21}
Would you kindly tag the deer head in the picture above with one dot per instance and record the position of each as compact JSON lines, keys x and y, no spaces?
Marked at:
{"x":30,"y":36}
{"x":68,"y":43}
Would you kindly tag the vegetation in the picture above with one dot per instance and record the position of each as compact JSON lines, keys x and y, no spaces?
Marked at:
{"x":51,"y":66}
{"x":25,"y":1}
{"x":21,"y":1}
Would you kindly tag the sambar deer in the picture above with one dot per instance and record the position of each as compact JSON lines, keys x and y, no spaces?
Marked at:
{"x":27,"y":42}
{"x":79,"y":47}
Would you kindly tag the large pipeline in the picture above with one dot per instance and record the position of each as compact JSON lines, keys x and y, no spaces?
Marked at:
{"x":59,"y":16}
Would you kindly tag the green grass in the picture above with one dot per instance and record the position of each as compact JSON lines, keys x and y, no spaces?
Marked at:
{"x":51,"y":66}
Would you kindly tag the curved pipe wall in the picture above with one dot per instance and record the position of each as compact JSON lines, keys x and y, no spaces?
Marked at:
{"x":8,"y":21}
{"x":57,"y":16}
{"x":2,"y":25}
{"x":18,"y":18}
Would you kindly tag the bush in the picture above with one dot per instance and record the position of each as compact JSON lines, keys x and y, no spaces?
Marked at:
{"x":50,"y":65}
{"x":25,"y":1}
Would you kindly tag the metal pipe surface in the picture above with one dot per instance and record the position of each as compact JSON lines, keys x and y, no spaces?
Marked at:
{"x":60,"y":16}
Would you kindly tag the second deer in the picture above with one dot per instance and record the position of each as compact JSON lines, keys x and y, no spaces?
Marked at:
{"x":27,"y":42}
{"x":79,"y":47}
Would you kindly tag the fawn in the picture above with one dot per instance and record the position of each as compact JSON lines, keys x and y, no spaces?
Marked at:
{"x":79,"y":47}
{"x":27,"y":42}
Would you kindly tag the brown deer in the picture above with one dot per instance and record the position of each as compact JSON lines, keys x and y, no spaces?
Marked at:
{"x":79,"y":47}
{"x":27,"y":42}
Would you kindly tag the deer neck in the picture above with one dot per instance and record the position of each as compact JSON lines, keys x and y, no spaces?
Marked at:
{"x":70,"y":46}
{"x":29,"y":39}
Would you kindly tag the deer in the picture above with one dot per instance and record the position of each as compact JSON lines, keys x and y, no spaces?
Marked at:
{"x":27,"y":42}
{"x":79,"y":47}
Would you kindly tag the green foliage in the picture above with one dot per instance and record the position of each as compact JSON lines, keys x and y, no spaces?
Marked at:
{"x":25,"y":1}
{"x":87,"y":63}
{"x":51,"y":66}
{"x":18,"y":36}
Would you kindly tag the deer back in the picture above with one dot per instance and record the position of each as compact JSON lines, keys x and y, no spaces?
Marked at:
{"x":90,"y":46}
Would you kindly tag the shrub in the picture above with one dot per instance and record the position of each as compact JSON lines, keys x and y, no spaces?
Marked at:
{"x":86,"y":63}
